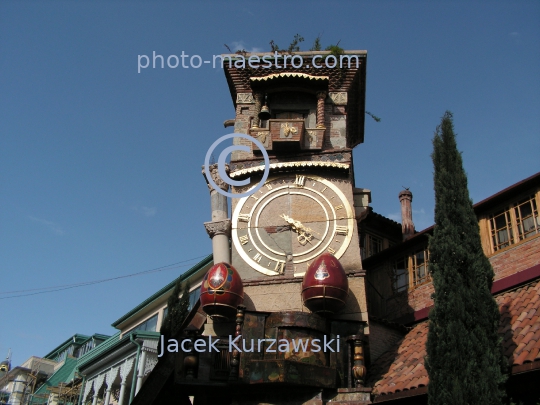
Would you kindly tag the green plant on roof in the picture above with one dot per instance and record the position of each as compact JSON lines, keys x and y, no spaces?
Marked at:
{"x":178,"y":309}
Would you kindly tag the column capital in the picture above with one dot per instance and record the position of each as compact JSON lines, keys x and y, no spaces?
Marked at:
{"x":222,"y":227}
{"x":213,"y":169}
{"x":321,"y":94}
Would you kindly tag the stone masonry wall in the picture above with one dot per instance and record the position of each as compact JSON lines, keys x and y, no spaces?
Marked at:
{"x":286,"y":295}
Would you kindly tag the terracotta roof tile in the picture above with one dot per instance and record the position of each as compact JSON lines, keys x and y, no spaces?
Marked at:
{"x":533,"y":354}
{"x":402,"y":367}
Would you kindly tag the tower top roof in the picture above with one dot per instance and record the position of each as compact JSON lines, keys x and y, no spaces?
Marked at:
{"x":341,"y":75}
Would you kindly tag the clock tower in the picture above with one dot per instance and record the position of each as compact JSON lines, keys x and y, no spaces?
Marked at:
{"x":309,"y":117}
{"x":288,"y":268}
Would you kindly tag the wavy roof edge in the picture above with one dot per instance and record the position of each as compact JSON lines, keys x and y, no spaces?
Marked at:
{"x":98,"y":349}
{"x":112,"y":343}
{"x":76,"y":338}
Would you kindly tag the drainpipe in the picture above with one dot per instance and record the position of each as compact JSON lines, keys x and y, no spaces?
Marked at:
{"x":135,"y":369}
{"x":79,"y":402}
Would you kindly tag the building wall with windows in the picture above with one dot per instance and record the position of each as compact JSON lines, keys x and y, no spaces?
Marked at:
{"x":399,"y":283}
{"x":115,"y":371}
{"x":17,"y":387}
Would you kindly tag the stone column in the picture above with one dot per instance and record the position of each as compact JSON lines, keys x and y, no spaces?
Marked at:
{"x":124,"y":371}
{"x":107,"y":395}
{"x":97,"y":386}
{"x":87,"y":389}
{"x":219,"y":229}
{"x":321,"y":96}
{"x":140,"y":376}
{"x":407,"y":225}
{"x":109,"y":379}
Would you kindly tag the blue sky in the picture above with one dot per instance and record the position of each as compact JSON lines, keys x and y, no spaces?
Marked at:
{"x":100,"y":166}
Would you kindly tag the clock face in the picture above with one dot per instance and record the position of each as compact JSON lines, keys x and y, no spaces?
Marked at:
{"x":291,"y":218}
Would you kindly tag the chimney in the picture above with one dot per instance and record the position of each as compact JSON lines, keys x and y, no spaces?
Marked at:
{"x":407,"y":225}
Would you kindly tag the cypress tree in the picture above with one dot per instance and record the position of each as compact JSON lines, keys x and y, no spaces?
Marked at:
{"x":178,"y":309}
{"x":464,"y":359}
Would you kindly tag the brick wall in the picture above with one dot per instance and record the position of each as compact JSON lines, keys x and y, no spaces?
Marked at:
{"x":244,"y":114}
{"x":420,"y":297}
{"x":381,"y":338}
{"x":509,"y":261}
{"x":516,"y":258}
{"x":336,"y":126}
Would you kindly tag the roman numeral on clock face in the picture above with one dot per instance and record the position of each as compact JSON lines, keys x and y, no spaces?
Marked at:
{"x":244,"y":217}
{"x":257,"y":257}
{"x":342,"y":230}
{"x":300,"y":181}
{"x":244,"y":239}
{"x":330,"y":250}
{"x":279,"y":267}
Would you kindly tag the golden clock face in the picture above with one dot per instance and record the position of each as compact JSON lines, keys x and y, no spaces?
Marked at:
{"x":291,"y":218}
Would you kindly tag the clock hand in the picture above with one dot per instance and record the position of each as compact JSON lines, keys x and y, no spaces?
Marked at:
{"x":297,"y":225}
{"x":304,"y":233}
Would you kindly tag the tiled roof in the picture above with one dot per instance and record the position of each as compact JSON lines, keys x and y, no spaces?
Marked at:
{"x":402,"y":367}
{"x":520,"y":324}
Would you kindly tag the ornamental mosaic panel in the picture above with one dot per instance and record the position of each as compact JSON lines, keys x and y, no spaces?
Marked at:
{"x":338,"y":98}
{"x":244,"y":98}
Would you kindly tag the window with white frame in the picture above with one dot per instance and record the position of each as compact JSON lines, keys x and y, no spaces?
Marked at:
{"x":514,"y":223}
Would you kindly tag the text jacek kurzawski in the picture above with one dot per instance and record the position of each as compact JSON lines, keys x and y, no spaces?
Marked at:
{"x":252,"y":345}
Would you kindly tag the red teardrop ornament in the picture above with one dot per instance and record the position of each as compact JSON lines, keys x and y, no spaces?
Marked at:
{"x":325,"y":286}
{"x":222,"y":291}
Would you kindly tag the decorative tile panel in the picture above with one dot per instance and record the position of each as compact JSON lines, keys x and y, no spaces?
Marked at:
{"x":339,"y":98}
{"x":244,"y":98}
